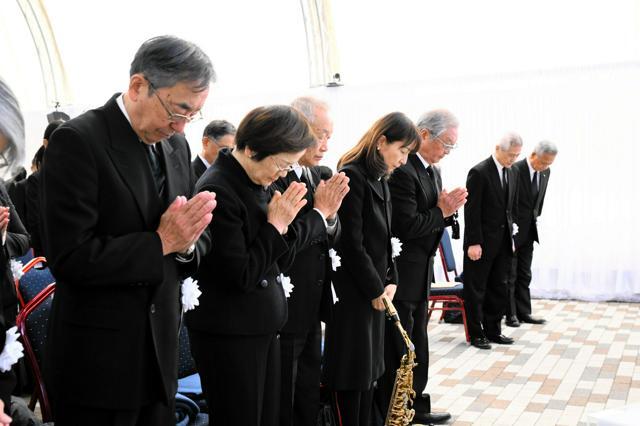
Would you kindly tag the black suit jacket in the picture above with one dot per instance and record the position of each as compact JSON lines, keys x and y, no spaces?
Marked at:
{"x":198,"y":167}
{"x":17,"y":190}
{"x":113,"y":331}
{"x":488,"y":218}
{"x":528,"y":208}
{"x":310,"y":270}
{"x":17,"y":244}
{"x":355,"y":335}
{"x":419,"y":224}
{"x":241,"y":289}
{"x":32,"y":220}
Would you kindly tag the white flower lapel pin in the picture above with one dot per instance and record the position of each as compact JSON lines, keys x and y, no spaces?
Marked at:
{"x":16,"y":269}
{"x":190,"y":294}
{"x":396,"y":247}
{"x":287,"y":287}
{"x":335,"y":259}
{"x":13,"y":350}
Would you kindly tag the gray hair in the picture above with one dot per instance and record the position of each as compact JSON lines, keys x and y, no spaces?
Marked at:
{"x":307,"y":106}
{"x":11,"y":127}
{"x":437,"y":121}
{"x":545,"y":147}
{"x":509,"y":140}
{"x":167,"y":60}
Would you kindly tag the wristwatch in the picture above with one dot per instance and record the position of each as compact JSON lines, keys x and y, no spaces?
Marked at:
{"x":186,"y":256}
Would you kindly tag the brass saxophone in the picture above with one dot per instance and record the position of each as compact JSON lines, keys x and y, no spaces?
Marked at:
{"x":400,"y":412}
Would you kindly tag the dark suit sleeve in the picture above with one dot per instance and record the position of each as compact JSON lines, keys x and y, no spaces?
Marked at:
{"x":354,"y":256}
{"x":76,"y":250}
{"x":33,"y":211}
{"x":409,"y":223}
{"x":17,"y":243}
{"x":473,"y":208}
{"x":245,"y":262}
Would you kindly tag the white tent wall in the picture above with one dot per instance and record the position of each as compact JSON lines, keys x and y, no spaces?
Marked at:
{"x":564,"y":71}
{"x":588,"y":228}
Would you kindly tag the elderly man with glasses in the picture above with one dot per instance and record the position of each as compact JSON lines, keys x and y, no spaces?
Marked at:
{"x":120,"y":235}
{"x":421,"y":211}
{"x":218,"y":134}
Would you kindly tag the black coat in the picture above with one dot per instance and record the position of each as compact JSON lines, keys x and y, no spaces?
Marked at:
{"x":488,"y":216}
{"x":198,"y":167}
{"x":310,"y":271}
{"x":17,"y":244}
{"x":113,"y":331}
{"x":17,"y":190}
{"x":419,"y":224}
{"x":355,"y":336}
{"x":32,"y":221}
{"x":239,"y":278}
{"x":528,"y":208}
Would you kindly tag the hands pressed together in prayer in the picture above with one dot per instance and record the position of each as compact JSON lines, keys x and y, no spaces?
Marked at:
{"x":450,"y":202}
{"x":330,"y":193}
{"x":283,"y":208}
{"x":184,"y":221}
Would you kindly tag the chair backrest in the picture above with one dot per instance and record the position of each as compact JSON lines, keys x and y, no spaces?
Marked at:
{"x":32,"y":322}
{"x":26,"y":257}
{"x":446,"y":255}
{"x":186,"y":364}
{"x":36,"y":277}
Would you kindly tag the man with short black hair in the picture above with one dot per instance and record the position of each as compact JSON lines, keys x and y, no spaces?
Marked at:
{"x":120,"y":235}
{"x":217,"y":135}
{"x":533,"y":174}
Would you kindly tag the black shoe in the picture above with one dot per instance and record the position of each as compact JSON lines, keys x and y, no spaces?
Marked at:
{"x":512,"y":321}
{"x":531,"y":320}
{"x":431,"y":418}
{"x":480,"y":343}
{"x":501,"y":339}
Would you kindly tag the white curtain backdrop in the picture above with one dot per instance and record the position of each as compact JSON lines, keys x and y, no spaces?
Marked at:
{"x":588,"y":228}
{"x":499,"y":66}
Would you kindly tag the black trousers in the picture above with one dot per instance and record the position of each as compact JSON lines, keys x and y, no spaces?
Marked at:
{"x":413,"y":317}
{"x":240,"y":377}
{"x":158,"y":413}
{"x":353,"y":408}
{"x":485,"y":291}
{"x":519,"y":282}
{"x":300,"y":384}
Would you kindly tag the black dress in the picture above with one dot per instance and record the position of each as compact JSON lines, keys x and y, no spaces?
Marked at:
{"x":233,"y":331}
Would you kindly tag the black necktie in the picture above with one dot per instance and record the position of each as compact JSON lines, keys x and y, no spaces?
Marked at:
{"x":156,"y":168}
{"x":433,"y":179}
{"x":534,"y":186}
{"x":505,"y":185}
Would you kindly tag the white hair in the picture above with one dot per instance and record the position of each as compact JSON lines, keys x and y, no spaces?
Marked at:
{"x":509,"y":140}
{"x":437,"y":121}
{"x":307,"y":106}
{"x":545,"y":147}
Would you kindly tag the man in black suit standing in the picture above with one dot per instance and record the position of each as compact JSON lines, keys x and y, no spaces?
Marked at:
{"x":120,"y":234}
{"x":217,"y":135}
{"x":421,"y":211}
{"x":533,"y":177}
{"x":488,"y":241}
{"x":311,"y":298}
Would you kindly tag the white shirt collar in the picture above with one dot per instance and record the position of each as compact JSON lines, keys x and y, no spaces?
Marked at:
{"x":424,"y":162}
{"x":531,"y":170}
{"x":298,"y":170}
{"x":120,"y":102}
{"x":204,"y":160}
{"x":498,"y":165}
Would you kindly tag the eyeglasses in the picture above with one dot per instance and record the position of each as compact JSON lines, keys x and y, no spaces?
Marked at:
{"x":174,"y":117}
{"x":447,"y":146}
{"x":215,"y":141}
{"x":285,"y":169}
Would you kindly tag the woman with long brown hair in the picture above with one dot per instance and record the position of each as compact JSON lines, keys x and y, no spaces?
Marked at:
{"x":354,"y":349}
